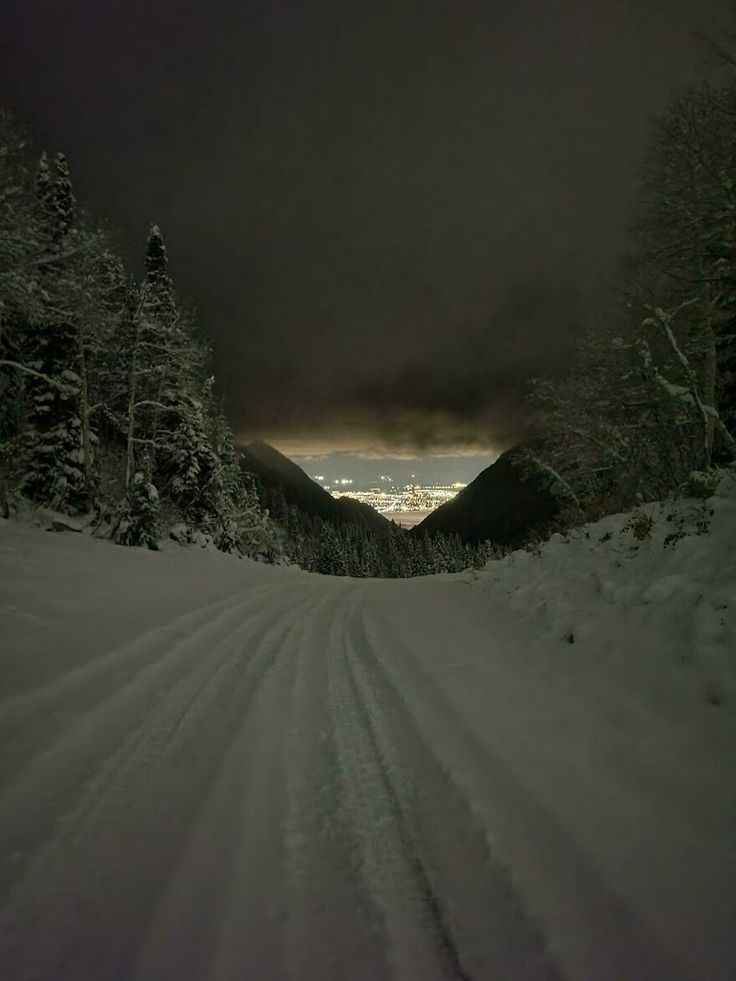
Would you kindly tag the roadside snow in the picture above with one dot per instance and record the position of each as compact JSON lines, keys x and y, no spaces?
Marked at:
{"x":651,"y":593}
{"x":624,"y":718}
{"x":211,"y":768}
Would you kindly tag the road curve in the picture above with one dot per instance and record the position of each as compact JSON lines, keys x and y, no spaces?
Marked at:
{"x":274,"y":786}
{"x":241,"y":792}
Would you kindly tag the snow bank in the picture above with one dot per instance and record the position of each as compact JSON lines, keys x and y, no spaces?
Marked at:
{"x":649,"y":594}
{"x":615,"y":704}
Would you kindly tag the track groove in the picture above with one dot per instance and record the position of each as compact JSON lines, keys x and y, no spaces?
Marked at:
{"x":128,"y":824}
{"x":370,"y":713}
{"x":495,"y":798}
{"x":480,"y":919}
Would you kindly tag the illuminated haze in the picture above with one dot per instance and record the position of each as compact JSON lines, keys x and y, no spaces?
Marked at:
{"x":390,"y":215}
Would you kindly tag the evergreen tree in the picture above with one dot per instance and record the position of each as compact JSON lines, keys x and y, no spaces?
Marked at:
{"x":44,"y":190}
{"x":236,"y":511}
{"x":429,"y":555}
{"x":103,"y":379}
{"x":20,"y":302}
{"x":53,"y":462}
{"x":164,"y":419}
{"x":139,"y":520}
{"x":61,"y":200}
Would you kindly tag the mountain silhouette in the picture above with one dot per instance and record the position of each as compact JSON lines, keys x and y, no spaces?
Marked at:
{"x":501,"y":505}
{"x":274,"y":472}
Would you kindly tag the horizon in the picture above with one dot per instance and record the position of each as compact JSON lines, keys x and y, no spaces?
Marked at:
{"x":402,"y":470}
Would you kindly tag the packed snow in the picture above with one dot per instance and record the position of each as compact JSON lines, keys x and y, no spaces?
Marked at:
{"x":216,"y":769}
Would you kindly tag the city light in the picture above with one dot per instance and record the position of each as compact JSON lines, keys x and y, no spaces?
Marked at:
{"x":412,"y":497}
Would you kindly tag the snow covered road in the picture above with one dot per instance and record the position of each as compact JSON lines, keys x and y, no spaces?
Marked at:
{"x":216,"y":770}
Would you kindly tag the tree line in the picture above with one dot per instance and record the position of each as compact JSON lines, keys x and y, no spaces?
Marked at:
{"x":347,"y":549}
{"x":649,"y":397}
{"x":107,"y":399}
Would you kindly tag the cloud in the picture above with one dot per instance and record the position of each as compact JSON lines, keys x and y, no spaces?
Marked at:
{"x":390,"y":215}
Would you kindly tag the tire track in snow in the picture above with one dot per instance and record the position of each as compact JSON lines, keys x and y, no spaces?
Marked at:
{"x":502,"y":806}
{"x":49,"y":783}
{"x":207,"y":923}
{"x":251,"y":932}
{"x":330,"y":931}
{"x":73,"y":692}
{"x":481,"y":924}
{"x":386,"y":864}
{"x":123,"y":834}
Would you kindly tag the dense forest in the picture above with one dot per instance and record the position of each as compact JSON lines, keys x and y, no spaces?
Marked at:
{"x":649,"y":397}
{"x":108,"y":404}
{"x":343,"y":548}
{"x":109,"y":408}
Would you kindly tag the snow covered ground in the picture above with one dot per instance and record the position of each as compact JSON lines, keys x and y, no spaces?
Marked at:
{"x":212,"y":769}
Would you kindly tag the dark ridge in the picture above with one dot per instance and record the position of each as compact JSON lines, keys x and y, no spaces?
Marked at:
{"x":502,"y":505}
{"x":274,"y":472}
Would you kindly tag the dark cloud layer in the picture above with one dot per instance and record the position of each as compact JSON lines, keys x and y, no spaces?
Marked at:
{"x":390,"y":214}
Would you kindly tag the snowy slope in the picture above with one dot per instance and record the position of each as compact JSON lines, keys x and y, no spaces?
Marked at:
{"x":216,"y":769}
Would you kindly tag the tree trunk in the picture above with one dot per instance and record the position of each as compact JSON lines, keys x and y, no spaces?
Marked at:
{"x":132,"y":391}
{"x":130,"y":456}
{"x":84,"y":407}
{"x":709,"y":390}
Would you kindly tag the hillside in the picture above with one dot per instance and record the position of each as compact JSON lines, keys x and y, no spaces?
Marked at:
{"x":274,"y":471}
{"x":498,"y":506}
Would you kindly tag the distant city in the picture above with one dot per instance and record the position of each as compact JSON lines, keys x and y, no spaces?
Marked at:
{"x":405,"y":491}
{"x":406,"y":504}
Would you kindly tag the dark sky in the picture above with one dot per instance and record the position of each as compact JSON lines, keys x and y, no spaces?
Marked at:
{"x":390,"y":214}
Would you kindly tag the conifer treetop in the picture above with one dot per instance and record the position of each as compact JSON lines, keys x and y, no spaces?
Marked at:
{"x":43,"y":170}
{"x":156,"y":257}
{"x":43,"y":181}
{"x":63,"y":197}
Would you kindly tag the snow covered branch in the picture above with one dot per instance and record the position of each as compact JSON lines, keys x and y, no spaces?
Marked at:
{"x":53,"y":382}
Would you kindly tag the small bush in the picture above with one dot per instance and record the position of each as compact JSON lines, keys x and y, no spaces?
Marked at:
{"x":701,"y":483}
{"x":640,"y":525}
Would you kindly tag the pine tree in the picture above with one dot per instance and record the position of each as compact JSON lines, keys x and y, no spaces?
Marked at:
{"x":159,"y":300}
{"x":19,"y":301}
{"x":139,"y":520}
{"x":44,"y":190}
{"x":54,"y":462}
{"x":156,"y":366}
{"x":429,"y":556}
{"x":61,"y":203}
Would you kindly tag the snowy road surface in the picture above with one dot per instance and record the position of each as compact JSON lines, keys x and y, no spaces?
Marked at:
{"x":216,"y":770}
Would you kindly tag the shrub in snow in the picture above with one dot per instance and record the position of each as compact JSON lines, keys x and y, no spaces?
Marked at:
{"x":678,"y":589}
{"x":54,"y":468}
{"x":701,"y":483}
{"x":140,"y":515}
{"x":640,"y":524}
